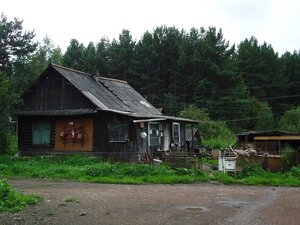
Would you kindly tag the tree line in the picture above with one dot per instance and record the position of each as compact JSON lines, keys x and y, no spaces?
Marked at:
{"x":248,"y":86}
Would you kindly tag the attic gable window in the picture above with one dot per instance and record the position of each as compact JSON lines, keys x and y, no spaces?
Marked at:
{"x":118,"y":131}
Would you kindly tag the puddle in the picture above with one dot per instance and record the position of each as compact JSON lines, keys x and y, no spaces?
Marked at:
{"x":193,"y":209}
{"x":232,"y":202}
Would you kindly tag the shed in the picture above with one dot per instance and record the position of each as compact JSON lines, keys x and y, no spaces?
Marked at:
{"x":270,"y":141}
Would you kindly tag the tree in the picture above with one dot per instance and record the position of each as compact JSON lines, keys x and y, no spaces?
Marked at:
{"x":90,"y":59}
{"x":16,"y":49}
{"x":290,"y":121}
{"x":120,"y":56}
{"x":102,"y":56}
{"x":291,"y":62}
{"x":74,"y":56}
{"x":14,"y":44}
{"x":262,"y":71}
{"x":27,"y":71}
{"x":263,"y":118}
{"x":213,"y":133}
{"x":218,"y":85}
{"x":6,"y":100}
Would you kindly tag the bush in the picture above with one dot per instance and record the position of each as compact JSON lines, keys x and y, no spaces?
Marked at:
{"x":289,"y":158}
{"x":295,"y":171}
{"x":11,"y":200}
{"x":103,"y":169}
{"x":215,"y":134}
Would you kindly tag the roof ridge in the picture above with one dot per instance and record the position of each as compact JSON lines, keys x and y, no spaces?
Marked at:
{"x":70,"y":69}
{"x":89,"y":74}
{"x":113,"y":79}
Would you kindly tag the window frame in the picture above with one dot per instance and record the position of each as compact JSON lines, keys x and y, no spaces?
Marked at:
{"x":149,"y":135}
{"x":173,"y":132}
{"x":41,"y":123}
{"x":118,"y":127}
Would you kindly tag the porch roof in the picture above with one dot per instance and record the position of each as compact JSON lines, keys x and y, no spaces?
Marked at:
{"x":163,"y":118}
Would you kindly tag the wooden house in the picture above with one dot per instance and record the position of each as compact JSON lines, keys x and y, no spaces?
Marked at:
{"x":68,"y":111}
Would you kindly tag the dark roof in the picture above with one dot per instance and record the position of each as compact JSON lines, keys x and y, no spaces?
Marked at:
{"x":268,"y":133}
{"x":109,"y":94}
{"x":106,"y":94}
{"x":65,"y":112}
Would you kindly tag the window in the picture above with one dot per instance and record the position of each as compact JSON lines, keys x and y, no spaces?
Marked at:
{"x":118,"y":131}
{"x":41,"y":133}
{"x":153,"y":135}
{"x":176,"y":133}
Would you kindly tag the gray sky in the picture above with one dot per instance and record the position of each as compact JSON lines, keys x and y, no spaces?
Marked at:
{"x":273,"y":21}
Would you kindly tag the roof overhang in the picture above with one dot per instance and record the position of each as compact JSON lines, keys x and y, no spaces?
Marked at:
{"x":149,"y":120}
{"x":277,"y":138}
{"x":164,"y":118}
{"x":64,"y":112}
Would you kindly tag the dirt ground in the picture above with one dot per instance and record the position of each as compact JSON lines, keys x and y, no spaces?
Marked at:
{"x":68,"y":202}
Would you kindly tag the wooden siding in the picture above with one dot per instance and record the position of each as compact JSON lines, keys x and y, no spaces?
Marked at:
{"x":69,"y":143}
{"x":53,"y":92}
{"x":114,"y":150}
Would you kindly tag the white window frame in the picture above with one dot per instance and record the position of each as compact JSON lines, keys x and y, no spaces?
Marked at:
{"x":159,"y":129}
{"x":173,"y":133}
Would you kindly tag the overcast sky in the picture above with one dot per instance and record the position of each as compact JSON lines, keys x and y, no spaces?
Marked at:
{"x":274,"y":21}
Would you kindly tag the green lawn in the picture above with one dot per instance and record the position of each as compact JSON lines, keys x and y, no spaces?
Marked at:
{"x":92,"y":169}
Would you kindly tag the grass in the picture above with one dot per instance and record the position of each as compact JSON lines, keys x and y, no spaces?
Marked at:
{"x":255,"y":175}
{"x":91,"y":169}
{"x":11,"y":200}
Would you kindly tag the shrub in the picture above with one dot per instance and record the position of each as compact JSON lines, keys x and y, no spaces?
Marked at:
{"x":103,"y":169}
{"x":11,"y":200}
{"x":215,"y":134}
{"x":289,"y":157}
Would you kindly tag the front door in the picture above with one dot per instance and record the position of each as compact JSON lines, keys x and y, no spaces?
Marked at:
{"x":166,"y":136}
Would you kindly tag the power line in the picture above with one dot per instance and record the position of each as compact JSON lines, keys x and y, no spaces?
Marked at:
{"x":249,"y":118}
{"x":246,"y":88}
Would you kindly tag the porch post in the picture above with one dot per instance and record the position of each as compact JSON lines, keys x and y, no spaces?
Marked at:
{"x":192,"y":137}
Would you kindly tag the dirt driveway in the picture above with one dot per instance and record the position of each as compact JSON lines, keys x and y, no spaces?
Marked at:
{"x":83,"y":203}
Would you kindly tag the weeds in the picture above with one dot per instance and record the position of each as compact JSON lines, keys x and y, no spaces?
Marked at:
{"x":95,"y":170}
{"x":11,"y":200}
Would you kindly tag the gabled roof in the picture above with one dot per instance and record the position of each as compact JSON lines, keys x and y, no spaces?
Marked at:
{"x":109,"y":94}
{"x":105,"y":94}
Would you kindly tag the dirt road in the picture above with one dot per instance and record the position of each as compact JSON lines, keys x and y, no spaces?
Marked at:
{"x":83,"y":203}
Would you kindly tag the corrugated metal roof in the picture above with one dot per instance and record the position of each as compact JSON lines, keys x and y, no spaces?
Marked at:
{"x":109,"y":94}
{"x":268,"y":133}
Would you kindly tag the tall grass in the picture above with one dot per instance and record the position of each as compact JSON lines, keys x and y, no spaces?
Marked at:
{"x":90,"y":169}
{"x":11,"y":200}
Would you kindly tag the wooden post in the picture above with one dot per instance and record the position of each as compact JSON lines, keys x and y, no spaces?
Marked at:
{"x":192,"y":137}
